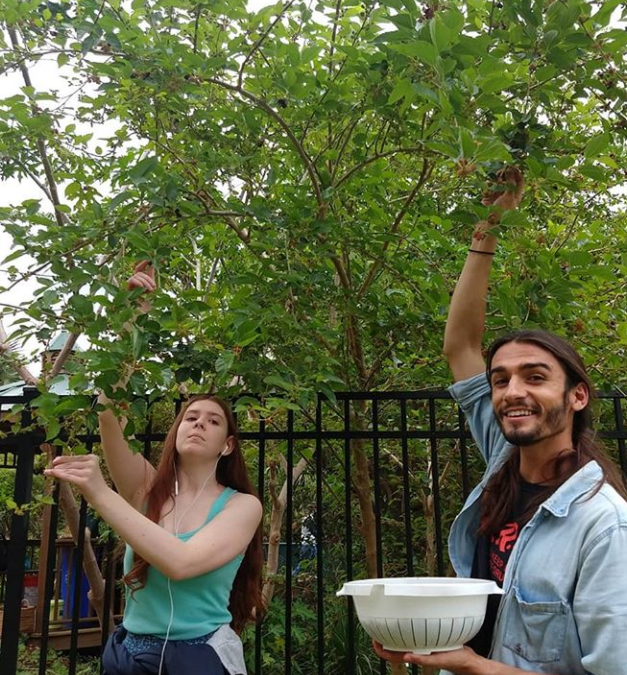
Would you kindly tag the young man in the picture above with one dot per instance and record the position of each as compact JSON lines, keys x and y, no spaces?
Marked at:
{"x":548,"y":522}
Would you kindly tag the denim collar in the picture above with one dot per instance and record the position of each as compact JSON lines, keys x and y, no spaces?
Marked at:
{"x":578,"y":485}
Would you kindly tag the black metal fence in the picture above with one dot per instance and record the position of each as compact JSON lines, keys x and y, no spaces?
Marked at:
{"x":415,"y":449}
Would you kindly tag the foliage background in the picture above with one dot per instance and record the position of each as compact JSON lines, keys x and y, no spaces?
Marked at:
{"x":305,"y":178}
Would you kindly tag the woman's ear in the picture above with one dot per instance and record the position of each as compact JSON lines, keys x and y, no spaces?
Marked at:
{"x":228,"y":448}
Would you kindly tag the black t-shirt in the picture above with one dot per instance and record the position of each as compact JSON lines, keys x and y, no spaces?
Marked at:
{"x":491,"y":558}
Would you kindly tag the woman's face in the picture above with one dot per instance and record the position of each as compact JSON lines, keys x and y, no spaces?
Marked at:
{"x":203,"y":431}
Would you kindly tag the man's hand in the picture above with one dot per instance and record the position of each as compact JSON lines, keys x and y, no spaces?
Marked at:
{"x":506,"y":192}
{"x":143,"y":277}
{"x":462,"y":661}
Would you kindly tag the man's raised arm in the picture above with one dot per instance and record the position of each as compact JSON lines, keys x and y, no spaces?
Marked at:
{"x":466,"y":317}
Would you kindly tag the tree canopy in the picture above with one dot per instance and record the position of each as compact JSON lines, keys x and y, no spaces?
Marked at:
{"x":305,"y":178}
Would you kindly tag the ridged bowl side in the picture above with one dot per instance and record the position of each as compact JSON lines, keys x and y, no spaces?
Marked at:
{"x":422,"y":636}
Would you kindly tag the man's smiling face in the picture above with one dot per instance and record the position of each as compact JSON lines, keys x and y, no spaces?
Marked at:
{"x":530,"y":396}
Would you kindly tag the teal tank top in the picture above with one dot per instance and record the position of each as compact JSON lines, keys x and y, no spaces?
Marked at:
{"x":200,"y":603}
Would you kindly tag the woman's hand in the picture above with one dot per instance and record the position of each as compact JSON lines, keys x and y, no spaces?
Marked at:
{"x":143,"y":277}
{"x":462,"y":661}
{"x":82,"y":471}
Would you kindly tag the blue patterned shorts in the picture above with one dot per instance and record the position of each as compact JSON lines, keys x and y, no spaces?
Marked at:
{"x":136,"y":644}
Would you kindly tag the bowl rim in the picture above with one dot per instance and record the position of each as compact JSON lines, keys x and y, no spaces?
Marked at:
{"x":422,"y":587}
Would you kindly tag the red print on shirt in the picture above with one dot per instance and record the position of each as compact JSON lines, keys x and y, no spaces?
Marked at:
{"x":501,"y":545}
{"x":506,"y":538}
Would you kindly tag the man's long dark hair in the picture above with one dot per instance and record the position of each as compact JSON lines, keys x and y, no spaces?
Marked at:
{"x":503,"y":488}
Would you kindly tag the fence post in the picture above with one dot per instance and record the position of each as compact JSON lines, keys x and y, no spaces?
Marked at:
{"x":25,"y":450}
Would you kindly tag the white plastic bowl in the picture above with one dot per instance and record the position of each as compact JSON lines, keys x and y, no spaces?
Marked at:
{"x":421,"y":614}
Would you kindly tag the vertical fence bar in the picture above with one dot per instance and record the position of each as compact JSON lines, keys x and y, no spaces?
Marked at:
{"x":77,"y":577}
{"x":376,"y":457}
{"x":261,"y":466}
{"x":26,"y":448}
{"x":109,"y":577}
{"x":319,"y":538}
{"x":435,"y":477}
{"x":409,"y":549}
{"x":406,"y":487}
{"x":51,"y":558}
{"x":288,"y":543}
{"x":620,"y":428}
{"x":350,"y":626}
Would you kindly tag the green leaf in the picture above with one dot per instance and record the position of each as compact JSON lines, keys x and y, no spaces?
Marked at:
{"x":454,"y":20}
{"x":327,"y":391}
{"x":53,"y":429}
{"x":596,"y":145}
{"x":119,"y":199}
{"x":441,"y":35}
{"x":423,"y":51}
{"x":495,"y":83}
{"x":71,"y":404}
{"x":607,"y":8}
{"x":139,"y":342}
{"x":224,"y":362}
{"x":402,"y":88}
{"x":277,"y":381}
{"x":492,"y":150}
{"x":466,"y":143}
{"x":143,"y":168}
{"x":594,"y":172}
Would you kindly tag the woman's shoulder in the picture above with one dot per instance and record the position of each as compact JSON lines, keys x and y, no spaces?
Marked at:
{"x":241,"y":500}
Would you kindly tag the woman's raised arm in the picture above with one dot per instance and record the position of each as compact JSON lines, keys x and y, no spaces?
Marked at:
{"x":131,"y":473}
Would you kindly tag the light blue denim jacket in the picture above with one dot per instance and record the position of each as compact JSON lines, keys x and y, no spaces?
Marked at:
{"x":564,"y":608}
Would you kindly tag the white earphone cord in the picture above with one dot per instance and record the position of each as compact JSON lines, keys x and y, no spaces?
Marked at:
{"x":176,"y":534}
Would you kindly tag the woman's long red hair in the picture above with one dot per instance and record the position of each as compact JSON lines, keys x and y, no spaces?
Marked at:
{"x":246,"y":602}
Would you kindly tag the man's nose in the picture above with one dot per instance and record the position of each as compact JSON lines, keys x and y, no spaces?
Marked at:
{"x":515,"y":389}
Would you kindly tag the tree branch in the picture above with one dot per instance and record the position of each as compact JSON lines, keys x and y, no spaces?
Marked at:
{"x":424,"y":176}
{"x":41,"y":147}
{"x":206,"y":199}
{"x":21,"y":370}
{"x":63,"y":355}
{"x":374,"y":158}
{"x":260,"y":103}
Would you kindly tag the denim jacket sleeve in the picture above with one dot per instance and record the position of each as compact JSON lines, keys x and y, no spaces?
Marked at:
{"x":474,"y":398}
{"x":600,"y":603}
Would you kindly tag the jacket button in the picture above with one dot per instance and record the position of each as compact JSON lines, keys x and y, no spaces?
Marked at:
{"x":519,"y":649}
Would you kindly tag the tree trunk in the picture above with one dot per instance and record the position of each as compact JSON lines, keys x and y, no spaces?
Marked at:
{"x":279,"y":504}
{"x":90,"y":565}
{"x":67,"y":503}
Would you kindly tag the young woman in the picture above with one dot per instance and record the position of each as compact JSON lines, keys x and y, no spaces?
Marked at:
{"x":193,"y":558}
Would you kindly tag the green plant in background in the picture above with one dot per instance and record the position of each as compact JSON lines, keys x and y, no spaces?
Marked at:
{"x":9,"y":506}
{"x":57,"y":663}
{"x":304,"y":180}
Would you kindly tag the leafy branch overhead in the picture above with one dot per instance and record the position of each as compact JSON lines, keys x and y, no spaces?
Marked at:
{"x":305,"y":176}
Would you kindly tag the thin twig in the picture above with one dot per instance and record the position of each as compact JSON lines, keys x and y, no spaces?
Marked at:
{"x":424,"y":176}
{"x":255,"y":47}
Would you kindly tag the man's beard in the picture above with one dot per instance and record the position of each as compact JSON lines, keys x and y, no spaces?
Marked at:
{"x":552,"y":424}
